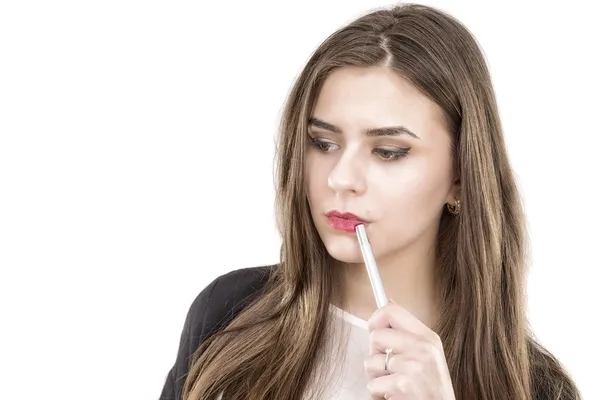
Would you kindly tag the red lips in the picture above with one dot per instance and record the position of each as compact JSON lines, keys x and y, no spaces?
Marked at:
{"x":346,"y":222}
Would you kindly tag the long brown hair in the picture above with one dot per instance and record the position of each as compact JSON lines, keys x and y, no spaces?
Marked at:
{"x":269,"y":350}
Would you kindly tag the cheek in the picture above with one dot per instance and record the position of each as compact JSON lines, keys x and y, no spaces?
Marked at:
{"x":410,"y":205}
{"x":416,"y":188}
{"x":315,"y":177}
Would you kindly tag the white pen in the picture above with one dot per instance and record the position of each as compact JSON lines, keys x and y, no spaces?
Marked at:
{"x":372,"y":270}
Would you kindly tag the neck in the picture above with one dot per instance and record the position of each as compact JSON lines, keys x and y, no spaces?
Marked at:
{"x":408,"y":278}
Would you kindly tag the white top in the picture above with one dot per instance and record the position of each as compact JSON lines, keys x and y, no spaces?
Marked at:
{"x":341,"y":370}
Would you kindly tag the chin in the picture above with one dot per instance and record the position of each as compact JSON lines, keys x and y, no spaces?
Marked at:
{"x":343,"y":248}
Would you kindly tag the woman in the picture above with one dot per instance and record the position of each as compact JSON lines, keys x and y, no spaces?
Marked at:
{"x":392,"y":123}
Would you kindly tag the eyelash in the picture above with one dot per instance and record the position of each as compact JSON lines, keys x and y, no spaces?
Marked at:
{"x":384,"y":154}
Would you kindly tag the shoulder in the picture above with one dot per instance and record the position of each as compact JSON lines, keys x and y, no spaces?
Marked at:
{"x":212,"y":309}
{"x":226,"y":296}
{"x":232,"y":284}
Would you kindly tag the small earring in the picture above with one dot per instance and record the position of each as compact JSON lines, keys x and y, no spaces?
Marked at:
{"x":454,"y":209}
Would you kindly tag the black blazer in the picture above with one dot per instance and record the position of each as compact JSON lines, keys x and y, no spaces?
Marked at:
{"x":213,"y":309}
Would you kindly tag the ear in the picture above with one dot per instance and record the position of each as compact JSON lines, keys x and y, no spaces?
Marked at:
{"x":455,"y":192}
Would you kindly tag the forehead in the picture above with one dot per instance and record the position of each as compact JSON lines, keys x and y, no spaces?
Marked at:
{"x":361,"y":98}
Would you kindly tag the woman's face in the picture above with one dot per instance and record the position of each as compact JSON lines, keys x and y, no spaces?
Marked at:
{"x":378,"y":149}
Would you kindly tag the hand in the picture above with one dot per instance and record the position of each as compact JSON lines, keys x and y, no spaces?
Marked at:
{"x":417,"y":366}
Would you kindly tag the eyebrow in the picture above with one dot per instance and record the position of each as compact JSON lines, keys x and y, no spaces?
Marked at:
{"x":375,"y":132}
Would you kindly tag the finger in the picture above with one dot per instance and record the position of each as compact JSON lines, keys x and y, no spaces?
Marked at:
{"x":375,"y":365}
{"x":399,"y":364}
{"x":382,"y":339}
{"x":385,"y":387}
{"x":395,"y":316}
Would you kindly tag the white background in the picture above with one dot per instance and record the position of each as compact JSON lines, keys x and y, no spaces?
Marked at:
{"x":136,"y":154}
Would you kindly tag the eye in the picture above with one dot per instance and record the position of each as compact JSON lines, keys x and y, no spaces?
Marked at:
{"x":322,"y":145}
{"x":391,"y":155}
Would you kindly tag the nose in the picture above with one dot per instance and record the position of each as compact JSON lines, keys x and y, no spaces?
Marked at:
{"x":348,"y":175}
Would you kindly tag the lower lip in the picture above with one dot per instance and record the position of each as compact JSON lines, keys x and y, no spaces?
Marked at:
{"x":341,"y":224}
